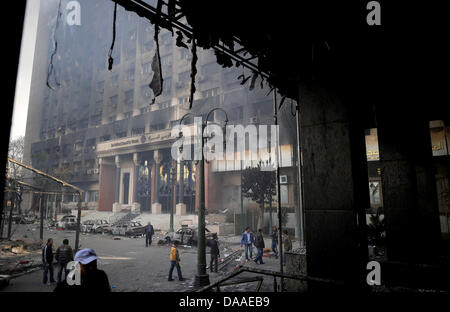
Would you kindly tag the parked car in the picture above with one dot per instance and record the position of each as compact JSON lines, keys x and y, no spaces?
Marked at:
{"x":21,"y":219}
{"x":68,"y":222}
{"x":187,"y":236}
{"x":130,"y":228}
{"x":98,"y":225}
{"x":135,"y":228}
{"x":87,"y":225}
{"x":103,"y":228}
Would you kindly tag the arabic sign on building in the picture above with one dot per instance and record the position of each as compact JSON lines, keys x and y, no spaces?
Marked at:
{"x":134,"y":141}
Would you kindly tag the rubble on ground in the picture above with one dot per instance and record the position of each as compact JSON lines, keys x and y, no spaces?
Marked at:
{"x":19,"y":255}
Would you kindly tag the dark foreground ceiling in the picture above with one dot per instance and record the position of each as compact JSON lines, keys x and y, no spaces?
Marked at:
{"x":326,"y":41}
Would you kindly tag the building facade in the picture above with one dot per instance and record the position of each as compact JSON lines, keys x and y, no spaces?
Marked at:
{"x":98,"y":130}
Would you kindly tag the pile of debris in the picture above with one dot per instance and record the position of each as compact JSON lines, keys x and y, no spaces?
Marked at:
{"x":19,"y":255}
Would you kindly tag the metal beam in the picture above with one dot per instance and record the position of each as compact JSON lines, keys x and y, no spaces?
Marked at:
{"x":133,"y":5}
{"x":45,"y":175}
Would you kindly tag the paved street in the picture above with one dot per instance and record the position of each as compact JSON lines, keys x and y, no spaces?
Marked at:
{"x":130,"y":266}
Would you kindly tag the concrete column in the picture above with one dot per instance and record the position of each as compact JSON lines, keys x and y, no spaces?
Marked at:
{"x":116,"y":205}
{"x":153,"y":172}
{"x":335,"y":187}
{"x":136,"y":205}
{"x":181,"y":206}
{"x":156,"y":206}
{"x":107,"y":180}
{"x":409,"y":187}
{"x":181,"y":183}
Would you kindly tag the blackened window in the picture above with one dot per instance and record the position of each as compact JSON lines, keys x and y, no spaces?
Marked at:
{"x":146,"y":92}
{"x":145,"y":110}
{"x":184,"y":76}
{"x":210,"y":69}
{"x":130,"y":74}
{"x":156,"y":127}
{"x":100,"y":87}
{"x":166,"y":39}
{"x":166,"y":60}
{"x":115,"y":80}
{"x":129,"y":97}
{"x":210,"y":92}
{"x":167,"y":86}
{"x":105,"y":138}
{"x":121,"y":134}
{"x":113,"y":101}
{"x":137,"y":131}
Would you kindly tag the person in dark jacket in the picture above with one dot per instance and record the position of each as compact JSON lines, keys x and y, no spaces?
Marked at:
{"x":214,"y":245}
{"x":274,"y":237}
{"x":259,"y":244}
{"x":64,"y":255}
{"x":47,"y":260}
{"x":247,"y":240}
{"x":91,"y":278}
{"x":148,"y":234}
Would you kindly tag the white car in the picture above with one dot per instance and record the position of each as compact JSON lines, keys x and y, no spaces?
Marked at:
{"x":87,"y":225}
{"x":98,"y":224}
{"x":68,"y":222}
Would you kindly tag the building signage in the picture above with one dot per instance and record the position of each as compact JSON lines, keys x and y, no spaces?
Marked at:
{"x":133,"y":141}
{"x":128,"y":142}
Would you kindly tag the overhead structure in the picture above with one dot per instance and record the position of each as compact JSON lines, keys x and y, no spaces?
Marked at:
{"x":22,"y":178}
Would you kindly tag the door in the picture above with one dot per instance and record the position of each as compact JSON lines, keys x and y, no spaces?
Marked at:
{"x":126,"y":187}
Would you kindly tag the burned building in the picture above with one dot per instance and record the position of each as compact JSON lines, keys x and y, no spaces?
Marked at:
{"x":97,"y":128}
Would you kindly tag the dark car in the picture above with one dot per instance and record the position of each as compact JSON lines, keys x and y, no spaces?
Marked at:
{"x":130,"y":228}
{"x":187,"y":236}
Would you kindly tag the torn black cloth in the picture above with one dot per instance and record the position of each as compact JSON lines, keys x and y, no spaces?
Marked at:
{"x":157,"y":81}
{"x":193,"y":72}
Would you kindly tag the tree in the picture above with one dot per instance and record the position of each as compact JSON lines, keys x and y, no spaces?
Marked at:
{"x":15,"y":152}
{"x":15,"y":172}
{"x":259,"y":185}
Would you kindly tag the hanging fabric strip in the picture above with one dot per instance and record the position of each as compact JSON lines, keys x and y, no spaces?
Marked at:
{"x":193,"y":71}
{"x":110,"y":59}
{"x":252,"y":82}
{"x":55,"y":49}
{"x":157,"y":81}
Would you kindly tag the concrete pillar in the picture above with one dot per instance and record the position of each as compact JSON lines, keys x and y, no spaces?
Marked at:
{"x":153,"y":175}
{"x":136,"y":206}
{"x":107,"y":182}
{"x":181,"y":183}
{"x":181,"y":206}
{"x":335,"y":187}
{"x":116,"y":205}
{"x":156,"y":206}
{"x":409,"y":187}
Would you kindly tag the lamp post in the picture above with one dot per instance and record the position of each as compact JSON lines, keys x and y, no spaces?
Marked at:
{"x":172,"y":179}
{"x":202,"y":277}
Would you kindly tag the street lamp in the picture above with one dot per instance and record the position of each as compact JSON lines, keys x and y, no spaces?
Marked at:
{"x":202,"y":277}
{"x":172,"y":179}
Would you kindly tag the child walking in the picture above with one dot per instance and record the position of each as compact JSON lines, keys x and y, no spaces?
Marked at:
{"x":175,"y":262}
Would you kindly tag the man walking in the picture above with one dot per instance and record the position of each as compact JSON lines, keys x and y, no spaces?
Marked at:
{"x":214,"y":245}
{"x":47,"y":260}
{"x":259,"y":244}
{"x":64,"y":255}
{"x":148,"y":234}
{"x":274,"y":237}
{"x":247,"y":240}
{"x":175,"y":262}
